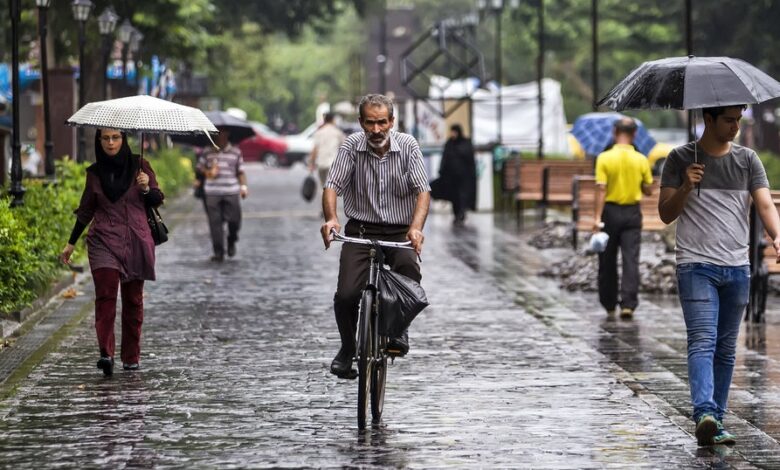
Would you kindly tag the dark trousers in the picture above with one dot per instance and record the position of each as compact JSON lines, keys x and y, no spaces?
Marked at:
{"x":106,"y":286}
{"x":221,"y":209}
{"x":353,"y":272}
{"x":459,"y":197}
{"x":623,"y":224}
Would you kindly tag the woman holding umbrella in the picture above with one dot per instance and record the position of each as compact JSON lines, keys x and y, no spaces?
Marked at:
{"x":119,"y":187}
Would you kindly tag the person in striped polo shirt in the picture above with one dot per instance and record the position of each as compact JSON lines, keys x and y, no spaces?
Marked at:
{"x":380,"y":175}
{"x":225,"y":183}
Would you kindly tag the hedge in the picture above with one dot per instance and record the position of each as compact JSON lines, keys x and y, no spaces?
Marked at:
{"x":32,"y":235}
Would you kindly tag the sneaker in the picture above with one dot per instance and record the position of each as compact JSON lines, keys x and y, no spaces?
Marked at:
{"x":610,"y":312}
{"x":106,"y":363}
{"x":626,"y":313}
{"x":133,"y":366}
{"x":706,"y":429}
{"x":723,"y":436}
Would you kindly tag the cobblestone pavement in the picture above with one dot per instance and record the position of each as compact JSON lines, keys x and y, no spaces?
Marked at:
{"x":505,"y":370}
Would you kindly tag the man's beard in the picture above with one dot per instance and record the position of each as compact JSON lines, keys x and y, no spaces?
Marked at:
{"x":376,"y":144}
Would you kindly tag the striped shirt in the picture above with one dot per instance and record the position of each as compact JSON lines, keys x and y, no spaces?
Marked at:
{"x":380,"y":190}
{"x":230,"y":164}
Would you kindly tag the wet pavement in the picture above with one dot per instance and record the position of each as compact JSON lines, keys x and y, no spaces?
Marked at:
{"x":506,"y":369}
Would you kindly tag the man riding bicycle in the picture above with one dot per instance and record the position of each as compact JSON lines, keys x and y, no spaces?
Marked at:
{"x":380,"y":175}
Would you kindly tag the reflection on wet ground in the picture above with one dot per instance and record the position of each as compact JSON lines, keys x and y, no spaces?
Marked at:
{"x":505,"y":370}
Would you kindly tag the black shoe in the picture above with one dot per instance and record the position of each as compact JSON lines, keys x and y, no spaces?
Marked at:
{"x":218,"y":258}
{"x":133,"y":366}
{"x":231,"y":249}
{"x":341,"y":366}
{"x":107,"y":364}
{"x":399,"y":346}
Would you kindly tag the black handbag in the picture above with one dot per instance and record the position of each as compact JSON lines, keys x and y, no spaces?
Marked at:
{"x":157,"y":226}
{"x":401,"y":299}
{"x":309,"y":187}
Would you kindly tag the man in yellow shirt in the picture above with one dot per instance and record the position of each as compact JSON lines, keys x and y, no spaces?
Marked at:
{"x":622,"y":176}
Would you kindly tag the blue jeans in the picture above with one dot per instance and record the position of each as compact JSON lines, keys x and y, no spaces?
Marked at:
{"x":713,"y":300}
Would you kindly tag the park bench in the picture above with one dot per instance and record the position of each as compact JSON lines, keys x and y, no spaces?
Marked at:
{"x":544,"y":182}
{"x":583,"y":212}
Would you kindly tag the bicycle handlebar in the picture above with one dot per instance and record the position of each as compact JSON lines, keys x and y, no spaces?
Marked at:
{"x":337,"y":237}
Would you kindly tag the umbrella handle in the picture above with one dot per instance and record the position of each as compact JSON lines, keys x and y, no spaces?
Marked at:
{"x":210,"y":139}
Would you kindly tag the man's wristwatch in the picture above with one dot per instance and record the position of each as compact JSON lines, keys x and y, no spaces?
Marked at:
{"x":243,"y":187}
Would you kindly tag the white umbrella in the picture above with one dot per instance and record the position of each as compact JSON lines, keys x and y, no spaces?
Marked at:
{"x":143,"y":113}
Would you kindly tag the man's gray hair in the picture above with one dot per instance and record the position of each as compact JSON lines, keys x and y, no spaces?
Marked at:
{"x":376,"y":100}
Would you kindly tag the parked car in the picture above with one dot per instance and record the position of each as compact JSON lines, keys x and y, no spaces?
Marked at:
{"x":266,"y":146}
{"x":300,"y":145}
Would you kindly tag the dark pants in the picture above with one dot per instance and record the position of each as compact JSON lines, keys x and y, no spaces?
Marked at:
{"x":623,"y":224}
{"x":106,"y":286}
{"x":221,"y":209}
{"x":353,"y":272}
{"x":459,"y":201}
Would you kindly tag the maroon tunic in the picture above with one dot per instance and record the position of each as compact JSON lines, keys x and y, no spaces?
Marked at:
{"x":119,"y":237}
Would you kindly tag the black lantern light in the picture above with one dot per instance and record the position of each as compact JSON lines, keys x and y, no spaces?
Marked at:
{"x":106,"y":24}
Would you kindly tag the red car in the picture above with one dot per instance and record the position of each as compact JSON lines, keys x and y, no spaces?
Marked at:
{"x":266,"y":146}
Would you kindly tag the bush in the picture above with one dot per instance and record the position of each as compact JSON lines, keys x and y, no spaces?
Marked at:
{"x":33,"y":235}
{"x":772,"y":165}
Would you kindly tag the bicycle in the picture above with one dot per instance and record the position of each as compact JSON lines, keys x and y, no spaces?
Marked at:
{"x":371,"y":351}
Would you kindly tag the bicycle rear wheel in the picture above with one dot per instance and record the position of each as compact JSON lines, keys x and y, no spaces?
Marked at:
{"x":365,"y":355}
{"x":378,"y":379}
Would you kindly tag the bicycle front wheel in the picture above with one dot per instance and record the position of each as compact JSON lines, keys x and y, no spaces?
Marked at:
{"x":365,"y":355}
{"x":378,"y":379}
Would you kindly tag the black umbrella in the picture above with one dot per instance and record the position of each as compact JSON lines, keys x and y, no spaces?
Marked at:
{"x":238,"y":128}
{"x":691,"y":83}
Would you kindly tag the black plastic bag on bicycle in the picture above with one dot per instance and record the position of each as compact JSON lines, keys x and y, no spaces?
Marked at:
{"x":400,"y":300}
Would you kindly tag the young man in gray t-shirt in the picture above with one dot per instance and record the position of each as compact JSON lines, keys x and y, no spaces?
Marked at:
{"x":707,"y":186}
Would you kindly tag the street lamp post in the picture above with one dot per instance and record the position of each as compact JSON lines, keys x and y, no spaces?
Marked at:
{"x":135,"y":47}
{"x":539,"y":77}
{"x":106,"y":23}
{"x":497,"y":7}
{"x":125,"y":32}
{"x":81,"y":10}
{"x":43,"y":6}
{"x":16,"y":190}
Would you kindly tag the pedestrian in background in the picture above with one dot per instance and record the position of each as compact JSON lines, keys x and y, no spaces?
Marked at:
{"x":118,"y":188}
{"x":381,"y":176}
{"x":225,"y":183}
{"x":458,"y":174}
{"x":623,"y":175}
{"x":327,"y":140}
{"x":713,"y":267}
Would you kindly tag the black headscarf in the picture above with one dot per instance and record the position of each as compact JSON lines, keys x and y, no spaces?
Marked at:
{"x":116,"y":173}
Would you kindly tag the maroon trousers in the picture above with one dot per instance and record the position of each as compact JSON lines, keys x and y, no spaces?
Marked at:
{"x":106,"y":286}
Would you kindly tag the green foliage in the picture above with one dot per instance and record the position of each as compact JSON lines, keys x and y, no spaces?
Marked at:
{"x":33,"y":235}
{"x":173,"y":170}
{"x":771,"y":163}
{"x":288,"y":77}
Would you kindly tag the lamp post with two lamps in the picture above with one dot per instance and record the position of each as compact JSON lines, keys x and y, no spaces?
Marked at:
{"x":125,"y":32}
{"x":43,"y":6}
{"x":81,"y":10}
{"x":106,"y":24}
{"x":16,"y":190}
{"x":135,"y":46}
{"x":497,"y":7}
